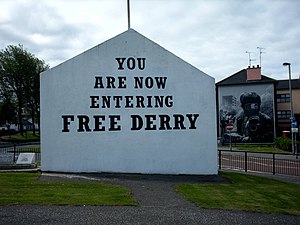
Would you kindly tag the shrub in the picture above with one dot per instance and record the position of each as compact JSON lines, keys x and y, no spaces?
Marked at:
{"x":283,"y":143}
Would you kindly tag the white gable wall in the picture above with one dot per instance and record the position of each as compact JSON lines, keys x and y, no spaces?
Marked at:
{"x":66,"y":90}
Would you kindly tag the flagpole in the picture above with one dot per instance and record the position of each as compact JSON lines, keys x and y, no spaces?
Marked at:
{"x":128,"y":13}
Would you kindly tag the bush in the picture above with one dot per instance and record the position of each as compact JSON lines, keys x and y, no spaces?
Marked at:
{"x":283,"y":143}
{"x":7,"y":132}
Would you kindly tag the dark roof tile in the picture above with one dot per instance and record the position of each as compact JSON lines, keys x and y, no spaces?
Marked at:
{"x":241,"y":78}
{"x":284,"y":84}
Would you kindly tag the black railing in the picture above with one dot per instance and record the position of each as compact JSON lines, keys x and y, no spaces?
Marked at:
{"x":275,"y":163}
{"x":17,"y":149}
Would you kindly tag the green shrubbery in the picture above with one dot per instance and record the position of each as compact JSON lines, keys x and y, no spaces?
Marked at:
{"x":283,"y":143}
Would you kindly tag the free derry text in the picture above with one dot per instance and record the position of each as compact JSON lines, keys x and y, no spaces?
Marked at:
{"x":113,"y":122}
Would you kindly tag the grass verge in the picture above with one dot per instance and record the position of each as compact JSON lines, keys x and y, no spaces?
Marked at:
{"x":249,"y":193}
{"x":261,"y":148}
{"x":24,"y":188}
{"x":27,"y":136}
{"x":35,"y":148}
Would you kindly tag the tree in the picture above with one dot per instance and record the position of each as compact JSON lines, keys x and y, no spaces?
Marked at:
{"x":33,"y":91}
{"x":19,"y":73}
{"x":7,"y":112}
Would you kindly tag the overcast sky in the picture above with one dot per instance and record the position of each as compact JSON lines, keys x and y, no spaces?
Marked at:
{"x":212,"y":35}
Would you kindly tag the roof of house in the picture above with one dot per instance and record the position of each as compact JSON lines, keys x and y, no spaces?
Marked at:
{"x":241,"y":78}
{"x":284,"y":84}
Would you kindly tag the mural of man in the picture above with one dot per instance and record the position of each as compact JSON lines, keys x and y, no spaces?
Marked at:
{"x":253,"y":125}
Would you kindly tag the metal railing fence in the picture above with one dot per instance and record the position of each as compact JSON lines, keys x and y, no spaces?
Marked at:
{"x":17,"y":149}
{"x":275,"y":163}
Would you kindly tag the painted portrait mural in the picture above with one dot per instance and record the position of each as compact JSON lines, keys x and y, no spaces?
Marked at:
{"x":250,"y":109}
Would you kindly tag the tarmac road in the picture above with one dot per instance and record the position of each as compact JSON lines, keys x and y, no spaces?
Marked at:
{"x":158,"y":204}
{"x":135,"y":215}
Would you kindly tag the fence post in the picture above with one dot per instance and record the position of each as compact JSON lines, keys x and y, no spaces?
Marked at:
{"x":220,"y":155}
{"x":245,"y":161}
{"x":14,"y":152}
{"x":273,"y":163}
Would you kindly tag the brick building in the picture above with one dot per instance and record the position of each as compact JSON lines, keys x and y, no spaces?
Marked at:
{"x":283,"y":104}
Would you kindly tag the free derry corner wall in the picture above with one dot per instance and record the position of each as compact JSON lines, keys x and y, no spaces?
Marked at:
{"x":128,"y":106}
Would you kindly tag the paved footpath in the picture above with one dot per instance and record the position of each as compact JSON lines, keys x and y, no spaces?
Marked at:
{"x":158,"y":204}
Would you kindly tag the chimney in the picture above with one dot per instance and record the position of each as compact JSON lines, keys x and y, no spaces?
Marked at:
{"x":254,"y":73}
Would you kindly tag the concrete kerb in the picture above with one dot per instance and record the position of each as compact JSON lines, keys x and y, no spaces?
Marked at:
{"x":18,"y":167}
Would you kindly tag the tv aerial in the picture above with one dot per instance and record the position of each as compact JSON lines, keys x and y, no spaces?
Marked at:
{"x":249,"y":57}
{"x":260,"y":52}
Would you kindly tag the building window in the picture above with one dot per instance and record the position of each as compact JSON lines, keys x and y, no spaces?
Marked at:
{"x":284,"y":114}
{"x":283,"y":98}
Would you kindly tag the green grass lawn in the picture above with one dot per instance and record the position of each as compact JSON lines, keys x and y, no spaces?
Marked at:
{"x":35,"y":148}
{"x":24,"y":188}
{"x":246,"y":192}
{"x":259,"y":148}
{"x":27,"y":136}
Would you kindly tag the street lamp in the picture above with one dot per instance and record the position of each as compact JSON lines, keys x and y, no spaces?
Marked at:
{"x":291,"y":103}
